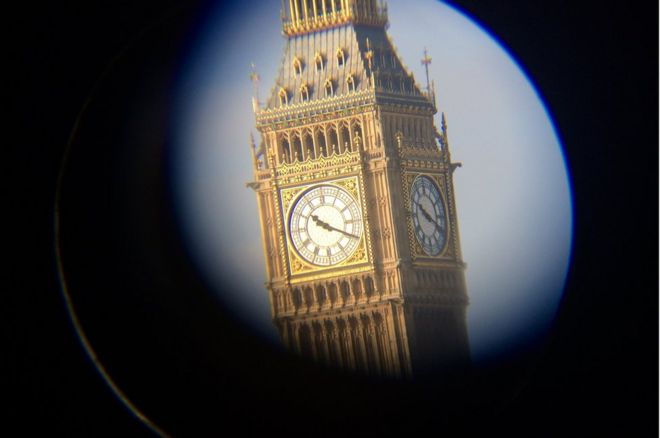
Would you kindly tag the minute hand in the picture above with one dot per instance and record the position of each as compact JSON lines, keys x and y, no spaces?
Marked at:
{"x":344,"y":232}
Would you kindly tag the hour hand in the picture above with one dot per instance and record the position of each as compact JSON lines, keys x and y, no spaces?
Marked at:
{"x":329,"y":227}
{"x":322,"y":224}
{"x":426,"y":214}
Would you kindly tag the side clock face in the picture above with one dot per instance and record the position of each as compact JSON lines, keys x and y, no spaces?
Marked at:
{"x":325,"y":225}
{"x":428,"y":215}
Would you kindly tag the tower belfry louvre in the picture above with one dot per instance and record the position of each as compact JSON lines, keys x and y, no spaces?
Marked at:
{"x":356,"y":201}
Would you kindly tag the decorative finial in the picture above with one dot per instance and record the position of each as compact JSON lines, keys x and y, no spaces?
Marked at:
{"x":254,"y":77}
{"x":270,"y":159}
{"x":433,"y":92}
{"x":357,"y":140}
{"x":426,"y":60}
{"x":444,"y":139}
{"x":369,"y":53}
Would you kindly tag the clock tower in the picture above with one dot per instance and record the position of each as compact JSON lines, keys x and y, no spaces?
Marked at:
{"x":356,"y":201}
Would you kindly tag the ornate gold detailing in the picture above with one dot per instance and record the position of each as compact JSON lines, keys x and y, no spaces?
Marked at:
{"x":280,"y":228}
{"x":316,"y":110}
{"x":288,"y":195}
{"x":358,"y":256}
{"x":455,"y":250}
{"x":417,"y":249}
{"x":416,"y":252}
{"x":322,"y":162}
{"x":299,"y":266}
{"x":341,"y":12}
{"x":420,"y":153}
{"x":328,"y":274}
{"x":350,"y":185}
{"x":423,"y":165}
{"x":367,"y":221}
{"x":319,"y":168}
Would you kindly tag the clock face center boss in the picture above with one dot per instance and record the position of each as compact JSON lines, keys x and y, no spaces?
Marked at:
{"x":325,"y":225}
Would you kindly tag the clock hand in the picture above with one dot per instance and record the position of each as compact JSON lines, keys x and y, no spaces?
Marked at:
{"x":329,"y":227}
{"x":346,"y":233}
{"x":426,"y":214}
{"x":320,"y":223}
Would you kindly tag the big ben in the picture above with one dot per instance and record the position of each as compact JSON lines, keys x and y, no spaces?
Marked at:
{"x":356,"y":201}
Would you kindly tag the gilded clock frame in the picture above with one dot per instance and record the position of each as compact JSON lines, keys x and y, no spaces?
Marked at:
{"x":300,"y":269}
{"x":416,"y":251}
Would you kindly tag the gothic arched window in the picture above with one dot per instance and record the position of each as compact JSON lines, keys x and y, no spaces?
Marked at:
{"x":284,"y":98}
{"x":333,"y":141}
{"x":296,"y":297}
{"x":285,"y":152}
{"x":350,"y":82}
{"x":318,"y":62}
{"x":297,"y":149}
{"x":304,"y":93}
{"x":308,"y":145}
{"x":341,"y":58}
{"x":345,"y":139}
{"x":320,"y":141}
{"x":329,"y":90}
{"x":297,"y":67}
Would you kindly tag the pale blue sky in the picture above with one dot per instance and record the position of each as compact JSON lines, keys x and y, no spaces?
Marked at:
{"x":512,"y":192}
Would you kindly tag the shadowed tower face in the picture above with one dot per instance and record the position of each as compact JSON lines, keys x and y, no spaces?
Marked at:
{"x":356,"y":201}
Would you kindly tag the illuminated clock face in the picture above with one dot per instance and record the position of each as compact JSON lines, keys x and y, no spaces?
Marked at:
{"x":325,"y":225}
{"x":428,"y":215}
